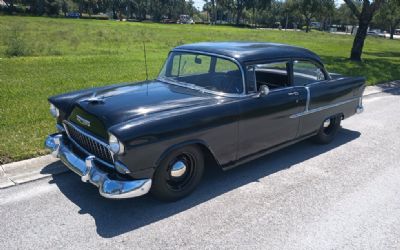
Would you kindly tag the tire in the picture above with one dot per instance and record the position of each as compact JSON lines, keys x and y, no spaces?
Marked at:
{"x":170,"y":183}
{"x":327,"y":133}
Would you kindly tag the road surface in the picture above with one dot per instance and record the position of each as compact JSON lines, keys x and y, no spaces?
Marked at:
{"x":342,"y":195}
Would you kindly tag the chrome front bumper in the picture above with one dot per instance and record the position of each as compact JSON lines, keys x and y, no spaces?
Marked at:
{"x":86,"y":168}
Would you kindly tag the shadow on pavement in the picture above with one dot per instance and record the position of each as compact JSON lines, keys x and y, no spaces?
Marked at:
{"x":115,"y":217}
{"x":392,"y":88}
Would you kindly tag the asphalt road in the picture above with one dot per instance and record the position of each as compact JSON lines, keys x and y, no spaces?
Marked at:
{"x":342,"y":195}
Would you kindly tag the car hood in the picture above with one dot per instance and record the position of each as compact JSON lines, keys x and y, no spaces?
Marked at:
{"x":122,"y":103}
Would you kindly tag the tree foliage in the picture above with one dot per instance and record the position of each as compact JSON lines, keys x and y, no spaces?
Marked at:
{"x":388,"y":16}
{"x":364,"y":16}
{"x":255,"y":13}
{"x":118,"y":9}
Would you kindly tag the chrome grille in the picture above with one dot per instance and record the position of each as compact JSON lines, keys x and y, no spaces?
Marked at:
{"x":89,"y":143}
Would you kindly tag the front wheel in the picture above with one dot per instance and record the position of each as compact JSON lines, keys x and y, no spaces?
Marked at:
{"x":178,"y":174}
{"x":328,"y":130}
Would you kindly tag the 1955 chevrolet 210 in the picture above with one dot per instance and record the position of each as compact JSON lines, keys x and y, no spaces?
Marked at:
{"x":229,"y":101}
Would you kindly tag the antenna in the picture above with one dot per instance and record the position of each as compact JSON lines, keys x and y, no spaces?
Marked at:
{"x":145,"y":60}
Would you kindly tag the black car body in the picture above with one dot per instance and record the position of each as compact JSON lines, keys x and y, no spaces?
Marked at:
{"x":231,"y":101}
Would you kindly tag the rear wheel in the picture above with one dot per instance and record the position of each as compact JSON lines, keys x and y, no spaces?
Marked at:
{"x":328,"y":130}
{"x":178,"y":174}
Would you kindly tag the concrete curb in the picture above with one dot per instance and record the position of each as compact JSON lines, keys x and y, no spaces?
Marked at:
{"x":29,"y":170}
{"x":37,"y":168}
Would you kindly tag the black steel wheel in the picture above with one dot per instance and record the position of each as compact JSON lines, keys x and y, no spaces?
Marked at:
{"x":178,"y":174}
{"x":328,"y":130}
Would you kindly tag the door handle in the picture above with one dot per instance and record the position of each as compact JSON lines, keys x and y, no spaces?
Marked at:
{"x":293,"y":93}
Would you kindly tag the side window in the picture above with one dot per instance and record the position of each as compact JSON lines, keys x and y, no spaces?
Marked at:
{"x":306,"y":72}
{"x":274,"y":75}
{"x":223,"y":65}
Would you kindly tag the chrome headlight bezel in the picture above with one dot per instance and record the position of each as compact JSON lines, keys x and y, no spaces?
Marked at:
{"x":115,"y":146}
{"x":54,"y":111}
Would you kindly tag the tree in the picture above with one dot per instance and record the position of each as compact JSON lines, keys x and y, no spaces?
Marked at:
{"x":259,"y":5}
{"x":325,"y":15}
{"x":226,"y":9}
{"x":10,"y":5}
{"x":213,"y":12}
{"x":364,"y":17}
{"x":52,"y":7}
{"x":239,"y":6}
{"x":64,"y":7}
{"x":344,"y":16}
{"x":389,"y":16}
{"x":308,"y":8}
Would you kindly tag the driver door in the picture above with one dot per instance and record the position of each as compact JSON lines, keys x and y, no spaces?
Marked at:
{"x":265,"y":121}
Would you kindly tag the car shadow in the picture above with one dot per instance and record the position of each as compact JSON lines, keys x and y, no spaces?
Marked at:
{"x":392,"y":88}
{"x":115,"y":217}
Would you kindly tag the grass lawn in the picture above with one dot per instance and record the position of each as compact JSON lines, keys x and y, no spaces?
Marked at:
{"x":60,"y":55}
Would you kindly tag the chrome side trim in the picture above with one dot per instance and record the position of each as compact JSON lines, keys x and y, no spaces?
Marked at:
{"x":89,"y":172}
{"x":307,"y":112}
{"x":203,"y":90}
{"x":308,"y":98}
{"x":284,"y":88}
{"x":84,"y":150}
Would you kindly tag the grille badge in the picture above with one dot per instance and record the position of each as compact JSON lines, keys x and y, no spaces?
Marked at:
{"x":83,"y":121}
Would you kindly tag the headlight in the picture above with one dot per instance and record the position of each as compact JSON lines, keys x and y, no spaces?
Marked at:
{"x":115,"y":145}
{"x":54,"y":111}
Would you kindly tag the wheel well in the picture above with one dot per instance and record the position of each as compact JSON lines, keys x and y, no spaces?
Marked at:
{"x":209,"y":158}
{"x":341,"y":115}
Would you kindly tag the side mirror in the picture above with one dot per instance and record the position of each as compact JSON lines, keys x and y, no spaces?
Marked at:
{"x":264,"y":90}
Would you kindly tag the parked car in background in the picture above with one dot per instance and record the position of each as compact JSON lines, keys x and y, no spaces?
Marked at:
{"x":315,"y":25}
{"x":185,"y":19}
{"x":230,"y":102}
{"x":376,"y":33}
{"x":73,"y":14}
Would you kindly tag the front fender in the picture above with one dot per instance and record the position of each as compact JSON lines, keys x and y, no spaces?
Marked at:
{"x":149,"y":139}
{"x":183,"y":144}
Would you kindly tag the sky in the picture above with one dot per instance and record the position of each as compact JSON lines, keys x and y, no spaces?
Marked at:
{"x":199,"y":4}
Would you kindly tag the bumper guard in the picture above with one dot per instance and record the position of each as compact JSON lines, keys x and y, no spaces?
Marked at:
{"x":86,"y":168}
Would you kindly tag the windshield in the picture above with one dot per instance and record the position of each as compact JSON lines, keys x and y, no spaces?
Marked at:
{"x":203,"y":72}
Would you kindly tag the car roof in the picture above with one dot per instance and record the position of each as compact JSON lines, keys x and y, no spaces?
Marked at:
{"x":251,"y":51}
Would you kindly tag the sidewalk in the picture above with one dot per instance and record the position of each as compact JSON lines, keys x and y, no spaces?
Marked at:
{"x":20,"y":172}
{"x":16,"y":173}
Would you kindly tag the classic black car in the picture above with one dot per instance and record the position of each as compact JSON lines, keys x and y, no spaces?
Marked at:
{"x":230,"y":102}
